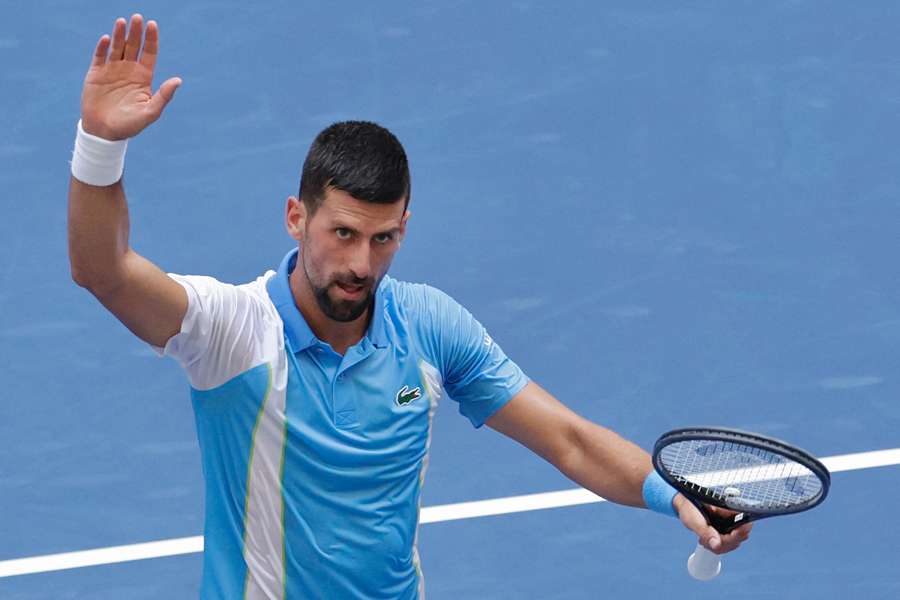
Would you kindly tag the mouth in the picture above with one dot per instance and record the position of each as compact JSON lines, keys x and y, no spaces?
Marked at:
{"x":351,"y":291}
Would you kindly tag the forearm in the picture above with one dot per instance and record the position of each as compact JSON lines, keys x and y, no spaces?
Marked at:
{"x":607,"y":464}
{"x":98,"y":233}
{"x":117,"y":103}
{"x":594,"y":457}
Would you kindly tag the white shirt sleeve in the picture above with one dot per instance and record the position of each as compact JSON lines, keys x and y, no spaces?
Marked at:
{"x":227,"y":329}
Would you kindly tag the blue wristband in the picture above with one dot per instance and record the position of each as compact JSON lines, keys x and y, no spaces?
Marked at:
{"x":658,"y":494}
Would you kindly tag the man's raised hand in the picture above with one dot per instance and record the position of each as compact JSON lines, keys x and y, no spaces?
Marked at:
{"x":117,"y":101}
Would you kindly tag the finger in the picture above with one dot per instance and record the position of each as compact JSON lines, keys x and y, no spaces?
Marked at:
{"x":722,"y":512}
{"x":712,"y":540}
{"x":707,"y":536}
{"x":135,"y":32}
{"x":100,"y":52}
{"x":729,"y":543}
{"x":163,"y":96}
{"x":151,"y":45}
{"x":734,"y":539}
{"x":743,"y":532}
{"x":118,"y":40}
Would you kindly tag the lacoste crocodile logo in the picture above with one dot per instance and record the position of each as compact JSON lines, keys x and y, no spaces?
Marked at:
{"x":406,"y":395}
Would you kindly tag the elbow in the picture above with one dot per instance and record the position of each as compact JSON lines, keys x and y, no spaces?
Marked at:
{"x":82,"y":274}
{"x":80,"y":277}
{"x":98,"y":282}
{"x":80,"y":266}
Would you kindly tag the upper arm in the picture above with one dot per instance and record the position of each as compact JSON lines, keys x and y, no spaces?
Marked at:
{"x":146,"y":300}
{"x":540,"y":422}
{"x":476,"y":372}
{"x":215,"y":330}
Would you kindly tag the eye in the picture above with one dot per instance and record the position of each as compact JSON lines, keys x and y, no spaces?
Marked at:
{"x":383,"y":238}
{"x":343,"y":233}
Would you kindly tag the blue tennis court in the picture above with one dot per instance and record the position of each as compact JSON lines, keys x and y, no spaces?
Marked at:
{"x":666,"y":215}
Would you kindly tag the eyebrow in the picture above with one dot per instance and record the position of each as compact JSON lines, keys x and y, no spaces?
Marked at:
{"x":391,"y":231}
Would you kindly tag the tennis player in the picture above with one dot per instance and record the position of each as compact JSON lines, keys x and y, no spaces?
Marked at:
{"x":314,"y":386}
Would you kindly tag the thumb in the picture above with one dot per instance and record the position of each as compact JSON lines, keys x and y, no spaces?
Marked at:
{"x":164,"y":95}
{"x":694,"y":520}
{"x":710,"y":538}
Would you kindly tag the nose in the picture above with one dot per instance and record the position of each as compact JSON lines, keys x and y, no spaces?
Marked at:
{"x":361,"y":261}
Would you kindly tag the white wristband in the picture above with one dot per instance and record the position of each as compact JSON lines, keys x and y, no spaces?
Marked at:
{"x":97,"y":161}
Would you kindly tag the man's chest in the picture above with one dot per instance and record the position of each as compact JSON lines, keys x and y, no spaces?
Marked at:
{"x":374,"y":408}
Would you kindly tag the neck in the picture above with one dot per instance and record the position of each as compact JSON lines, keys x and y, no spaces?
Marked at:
{"x":337,"y":334}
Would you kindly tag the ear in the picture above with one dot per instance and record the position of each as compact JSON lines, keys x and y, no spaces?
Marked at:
{"x":295,"y":218}
{"x":403,"y":222}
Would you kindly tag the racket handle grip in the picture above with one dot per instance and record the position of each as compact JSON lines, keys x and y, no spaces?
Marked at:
{"x":703,"y":564}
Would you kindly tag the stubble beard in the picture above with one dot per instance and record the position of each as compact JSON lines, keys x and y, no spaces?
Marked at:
{"x":343,"y":311}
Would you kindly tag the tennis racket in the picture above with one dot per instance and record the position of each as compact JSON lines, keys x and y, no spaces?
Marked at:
{"x":753,"y":475}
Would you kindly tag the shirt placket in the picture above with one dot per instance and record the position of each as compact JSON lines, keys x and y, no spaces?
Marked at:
{"x":343,"y":398}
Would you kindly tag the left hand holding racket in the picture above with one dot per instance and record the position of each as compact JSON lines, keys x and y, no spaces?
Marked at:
{"x":728,"y":478}
{"x":707,"y":535}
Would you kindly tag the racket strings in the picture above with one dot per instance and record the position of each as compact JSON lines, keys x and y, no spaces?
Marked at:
{"x":742,"y":477}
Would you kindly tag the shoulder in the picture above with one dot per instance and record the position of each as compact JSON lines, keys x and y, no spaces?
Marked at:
{"x":257,"y":291}
{"x":418,"y":299}
{"x":431,"y":317}
{"x":227,"y":330}
{"x":212,"y":294}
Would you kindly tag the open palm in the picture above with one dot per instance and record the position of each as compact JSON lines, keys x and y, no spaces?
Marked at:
{"x":117,"y":101}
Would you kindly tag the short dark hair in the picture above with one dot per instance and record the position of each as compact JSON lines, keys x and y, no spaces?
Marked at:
{"x":358,"y":157}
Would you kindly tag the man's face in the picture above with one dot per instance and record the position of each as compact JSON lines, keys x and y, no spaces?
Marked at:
{"x":346,"y":248}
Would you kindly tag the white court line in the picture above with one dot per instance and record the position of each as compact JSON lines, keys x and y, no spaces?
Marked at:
{"x":749,"y":475}
{"x":431,"y":514}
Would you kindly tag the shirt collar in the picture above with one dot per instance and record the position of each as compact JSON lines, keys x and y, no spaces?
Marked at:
{"x":299,"y":335}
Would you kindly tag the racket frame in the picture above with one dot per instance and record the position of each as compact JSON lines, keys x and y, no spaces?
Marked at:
{"x":722,"y":434}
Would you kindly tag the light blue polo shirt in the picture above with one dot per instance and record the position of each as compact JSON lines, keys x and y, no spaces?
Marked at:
{"x":314,"y":462}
